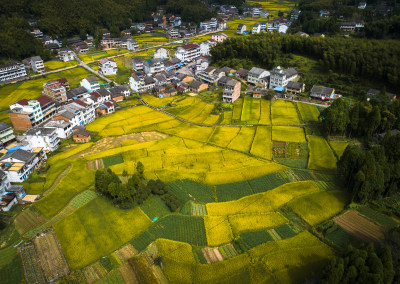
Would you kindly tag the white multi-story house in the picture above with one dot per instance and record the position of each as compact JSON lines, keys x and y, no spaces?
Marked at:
{"x":263,"y":25}
{"x":258,"y":76}
{"x":160,"y":53}
{"x":25,"y":114}
{"x":280,"y":77}
{"x":108,"y":67}
{"x":188,"y":52}
{"x":45,"y":138}
{"x":12,"y":71}
{"x":66,"y":55}
{"x":219,"y":37}
{"x":91,"y":84}
{"x":256,"y":28}
{"x":20,"y":164}
{"x":211,"y":75}
{"x":137,"y":63}
{"x":283,"y":28}
{"x":63,"y":128}
{"x":173,"y":33}
{"x":6,"y":133}
{"x":153,"y":66}
{"x":241,"y":29}
{"x":362,"y":5}
{"x":210,"y":25}
{"x":136,"y":84}
{"x":37,"y":64}
{"x":204,"y":48}
{"x":132,"y":44}
{"x":84,"y":113}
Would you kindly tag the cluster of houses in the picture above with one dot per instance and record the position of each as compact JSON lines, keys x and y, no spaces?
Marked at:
{"x":280,"y":25}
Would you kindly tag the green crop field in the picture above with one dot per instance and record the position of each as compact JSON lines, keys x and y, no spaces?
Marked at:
{"x":31,"y":89}
{"x":339,"y":147}
{"x":251,"y":110}
{"x":289,"y":261}
{"x":52,"y":203}
{"x":321,"y":155}
{"x":96,"y":230}
{"x":218,"y":230}
{"x":188,"y":190}
{"x":254,"y":222}
{"x":262,"y":143}
{"x":54,"y":65}
{"x":319,"y":206}
{"x":155,"y":207}
{"x":288,"y":134}
{"x":263,"y":202}
{"x":284,"y":112}
{"x":309,"y":113}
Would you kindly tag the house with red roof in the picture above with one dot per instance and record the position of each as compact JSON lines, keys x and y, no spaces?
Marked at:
{"x":188,"y":52}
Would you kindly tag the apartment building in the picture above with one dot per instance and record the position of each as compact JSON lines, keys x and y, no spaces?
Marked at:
{"x":55,"y":90}
{"x":12,"y":71}
{"x":231,"y":91}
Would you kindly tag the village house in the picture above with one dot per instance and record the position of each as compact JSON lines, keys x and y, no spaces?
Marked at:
{"x":55,"y":90}
{"x":204,"y":48}
{"x":66,"y":54}
{"x":256,"y":28}
{"x":185,"y":78}
{"x":295,"y":88}
{"x":20,"y":164}
{"x":70,"y":118}
{"x":280,"y":78}
{"x":219,"y":37}
{"x":80,"y":135}
{"x":294,"y":15}
{"x":188,"y":52}
{"x":258,"y":76}
{"x":137,"y":63}
{"x":231,"y":91}
{"x":153,"y":66}
{"x":197,"y":86}
{"x":108,"y":67}
{"x":7,"y":201}
{"x":12,"y":71}
{"x":77,"y":93}
{"x":45,"y":138}
{"x":105,"y":108}
{"x":131,"y":44}
{"x":91,"y":84}
{"x":83,"y":113}
{"x":37,"y":64}
{"x":25,"y":114}
{"x":172,"y":63}
{"x":322,"y":93}
{"x":61,"y":127}
{"x":201,"y":63}
{"x":4,"y":183}
{"x":210,"y":25}
{"x":6,"y":134}
{"x":211,"y":75}
{"x":160,"y":53}
{"x":362,"y":5}
{"x":241,"y":29}
{"x":242,"y":73}
{"x":36,"y":33}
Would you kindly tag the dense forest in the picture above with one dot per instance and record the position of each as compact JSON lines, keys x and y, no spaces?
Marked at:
{"x":373,"y":172}
{"x":374,"y":60}
{"x":376,"y":25}
{"x":360,"y":265}
{"x":62,"y":19}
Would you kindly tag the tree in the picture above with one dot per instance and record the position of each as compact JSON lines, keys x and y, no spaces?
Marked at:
{"x":140,"y":168}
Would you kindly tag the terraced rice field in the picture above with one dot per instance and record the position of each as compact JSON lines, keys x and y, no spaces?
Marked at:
{"x":284,"y":112}
{"x":321,"y":155}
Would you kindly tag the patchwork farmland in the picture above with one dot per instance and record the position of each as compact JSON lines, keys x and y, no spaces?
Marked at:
{"x":250,"y":188}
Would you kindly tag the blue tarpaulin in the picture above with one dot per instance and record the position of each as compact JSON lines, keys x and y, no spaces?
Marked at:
{"x":279,"y":89}
{"x":12,"y":149}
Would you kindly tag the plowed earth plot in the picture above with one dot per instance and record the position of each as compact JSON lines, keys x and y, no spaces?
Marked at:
{"x":360,"y":227}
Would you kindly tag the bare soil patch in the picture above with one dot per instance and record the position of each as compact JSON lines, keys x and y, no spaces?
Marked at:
{"x":360,"y":227}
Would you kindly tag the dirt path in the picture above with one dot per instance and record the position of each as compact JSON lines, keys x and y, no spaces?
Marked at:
{"x":58,"y":179}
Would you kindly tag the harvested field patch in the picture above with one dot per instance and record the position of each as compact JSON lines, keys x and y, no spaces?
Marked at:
{"x":51,"y":256}
{"x":28,"y":220}
{"x":127,"y":273}
{"x":360,"y":227}
{"x":212,"y":255}
{"x":126,"y":252}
